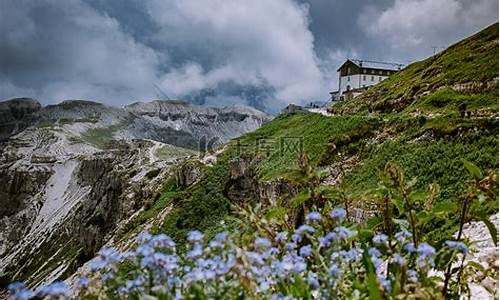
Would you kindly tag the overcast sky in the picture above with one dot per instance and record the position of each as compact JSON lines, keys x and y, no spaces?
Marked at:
{"x":265,"y":53}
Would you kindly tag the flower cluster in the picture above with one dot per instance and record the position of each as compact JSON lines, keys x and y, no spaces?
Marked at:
{"x":323,"y":257}
{"x":19,"y":291}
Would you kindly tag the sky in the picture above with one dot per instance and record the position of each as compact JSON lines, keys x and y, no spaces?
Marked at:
{"x":263,"y":53}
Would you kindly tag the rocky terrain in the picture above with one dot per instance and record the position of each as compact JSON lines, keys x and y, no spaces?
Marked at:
{"x":72,"y":171}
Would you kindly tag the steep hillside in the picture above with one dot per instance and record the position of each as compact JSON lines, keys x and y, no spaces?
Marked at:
{"x":464,"y":76}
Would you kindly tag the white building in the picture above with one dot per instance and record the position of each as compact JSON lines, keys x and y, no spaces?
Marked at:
{"x":355,"y":76}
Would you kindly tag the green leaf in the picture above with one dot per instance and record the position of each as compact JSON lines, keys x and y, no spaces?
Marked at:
{"x":399,"y":203}
{"x":444,"y":207}
{"x":373,"y":221}
{"x":422,"y":215}
{"x":473,"y":169}
{"x":322,"y":174}
{"x":300,"y":199}
{"x":418,"y":196}
{"x":492,"y":229}
{"x":365,"y":234}
{"x":476,"y":266}
{"x":276,"y":213}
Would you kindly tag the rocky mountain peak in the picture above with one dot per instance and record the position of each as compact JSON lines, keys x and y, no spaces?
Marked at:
{"x":17,"y":114}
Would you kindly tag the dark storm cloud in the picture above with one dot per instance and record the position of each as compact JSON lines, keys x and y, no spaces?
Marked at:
{"x":263,"y":53}
{"x":54,"y":50}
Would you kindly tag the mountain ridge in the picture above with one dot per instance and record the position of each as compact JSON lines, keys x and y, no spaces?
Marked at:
{"x":72,"y":171}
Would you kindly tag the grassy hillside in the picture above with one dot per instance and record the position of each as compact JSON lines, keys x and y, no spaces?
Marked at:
{"x":419,"y":126}
{"x":466,"y":72}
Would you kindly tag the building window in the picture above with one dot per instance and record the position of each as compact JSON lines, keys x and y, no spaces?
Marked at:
{"x":364,"y":77}
{"x":364,"y":71}
{"x":348,"y":70}
{"x":388,"y":73}
{"x":380,"y":78}
{"x":348,"y":78}
{"x":373,"y":71}
{"x":373,"y":78}
{"x":379,"y":72}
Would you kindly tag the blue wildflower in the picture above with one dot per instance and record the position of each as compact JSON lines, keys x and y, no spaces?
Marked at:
{"x":19,"y":291}
{"x":219,"y":240}
{"x":304,"y":229}
{"x":305,"y":251}
{"x":197,"y":251}
{"x":195,"y":236}
{"x":426,"y":249}
{"x":380,"y":239}
{"x":162,"y":240}
{"x":335,"y":271}
{"x":144,"y":237}
{"x":83,"y":282}
{"x":353,"y":254}
{"x":262,"y":243}
{"x":56,"y":289}
{"x":313,"y":216}
{"x":264,"y":285}
{"x":402,"y":236}
{"x":270,"y":252}
{"x":398,"y":259}
{"x":296,"y":238}
{"x":97,"y":264}
{"x":326,"y":240}
{"x":15,"y":286}
{"x":426,"y":256}
{"x":412,"y":276}
{"x":22,"y":294}
{"x":255,"y":257}
{"x":290,"y":246}
{"x":299,"y":266}
{"x":107,"y":276}
{"x":410,"y":248}
{"x":312,"y":279}
{"x":145,"y":250}
{"x":374,"y":252}
{"x":342,"y":233}
{"x":338,"y":213}
{"x":385,"y":283}
{"x":454,"y":245}
{"x":281,"y":237}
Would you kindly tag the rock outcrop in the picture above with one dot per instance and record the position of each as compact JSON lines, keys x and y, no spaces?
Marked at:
{"x":17,"y":114}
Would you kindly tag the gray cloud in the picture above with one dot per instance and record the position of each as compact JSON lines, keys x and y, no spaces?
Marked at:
{"x":412,"y":27}
{"x":65,"y":50}
{"x":262,"y":53}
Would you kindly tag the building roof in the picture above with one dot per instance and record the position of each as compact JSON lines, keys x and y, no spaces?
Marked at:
{"x":378,"y":65}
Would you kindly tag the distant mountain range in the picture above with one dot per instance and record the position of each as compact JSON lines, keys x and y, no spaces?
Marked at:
{"x":71,"y":172}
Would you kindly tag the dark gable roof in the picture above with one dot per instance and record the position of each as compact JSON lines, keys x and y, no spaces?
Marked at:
{"x":366,"y":64}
